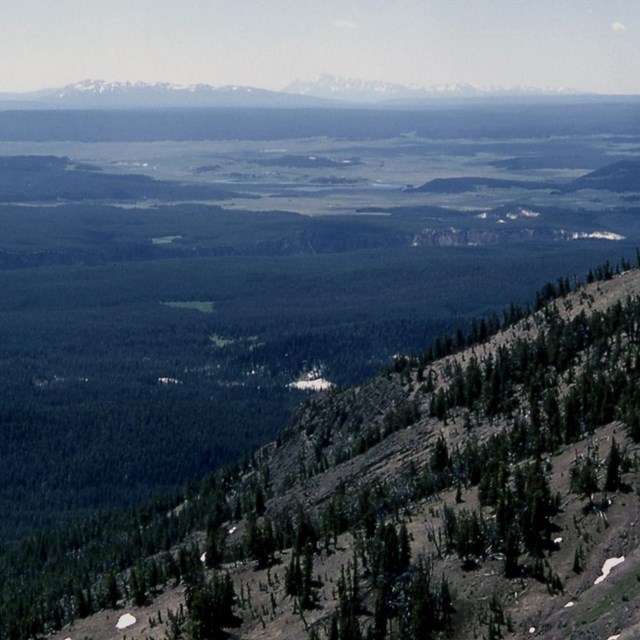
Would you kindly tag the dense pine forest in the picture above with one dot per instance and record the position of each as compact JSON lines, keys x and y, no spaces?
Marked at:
{"x":162,"y":366}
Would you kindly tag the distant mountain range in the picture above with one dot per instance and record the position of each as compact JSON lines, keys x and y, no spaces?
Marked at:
{"x":372,"y":91}
{"x":328,"y":90}
{"x":100,"y":94}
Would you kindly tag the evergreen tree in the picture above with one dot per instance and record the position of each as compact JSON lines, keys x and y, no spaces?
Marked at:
{"x":579,"y":560}
{"x":584,"y":476}
{"x":404,"y":552}
{"x":260,"y":505}
{"x":440,"y":455}
{"x":293,"y":576}
{"x":213,"y":547}
{"x":390,"y":560}
{"x":307,"y":594}
{"x":111,"y":591}
{"x":210,"y":606}
{"x":511,"y":553}
{"x":83,"y":603}
{"x":421,"y":604}
{"x":614,"y":474}
{"x":138,"y":586}
{"x":539,"y":508}
{"x":333,"y":629}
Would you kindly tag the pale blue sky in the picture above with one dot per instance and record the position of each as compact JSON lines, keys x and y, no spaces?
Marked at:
{"x":583,"y":44}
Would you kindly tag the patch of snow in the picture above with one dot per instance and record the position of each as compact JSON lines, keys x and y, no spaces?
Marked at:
{"x":614,"y":637}
{"x":597,"y":235}
{"x":569,"y":605}
{"x":126,"y":621}
{"x":319,"y":384}
{"x":203,"y":557}
{"x":607,"y":566}
{"x":515,"y":215}
{"x":232,"y":530}
{"x":311,"y":381}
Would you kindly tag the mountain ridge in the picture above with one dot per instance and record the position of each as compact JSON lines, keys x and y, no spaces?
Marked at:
{"x":525,"y":426}
{"x":102,"y":94}
{"x":327,"y":91}
{"x":374,"y":91}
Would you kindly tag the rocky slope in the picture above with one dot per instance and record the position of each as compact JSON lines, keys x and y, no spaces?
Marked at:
{"x":548,"y":504}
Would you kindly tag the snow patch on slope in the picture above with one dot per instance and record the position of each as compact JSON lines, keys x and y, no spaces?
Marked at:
{"x":607,"y":566}
{"x":126,"y":621}
{"x":311,"y":381}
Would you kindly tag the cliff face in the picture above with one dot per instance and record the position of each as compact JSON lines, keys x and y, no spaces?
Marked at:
{"x":454,"y":237}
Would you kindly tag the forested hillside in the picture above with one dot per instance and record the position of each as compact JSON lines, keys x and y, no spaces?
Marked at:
{"x":486,"y":488}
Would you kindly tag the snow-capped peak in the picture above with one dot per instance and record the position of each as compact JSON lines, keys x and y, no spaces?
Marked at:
{"x":100,"y":86}
{"x":91,"y":87}
{"x":358,"y":90}
{"x":104,"y":94}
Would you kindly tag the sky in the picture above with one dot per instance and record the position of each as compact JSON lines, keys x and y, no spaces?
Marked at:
{"x":587,"y":45}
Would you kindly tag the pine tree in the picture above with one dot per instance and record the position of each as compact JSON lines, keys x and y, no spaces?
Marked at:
{"x":421,"y":604}
{"x":614,"y":461}
{"x":349,"y":605}
{"x":333,"y":629}
{"x":210,"y":606}
{"x":83,"y":606}
{"x":260,"y":505}
{"x":390,"y":560}
{"x":307,"y":594}
{"x":579,"y":560}
{"x":511,"y":553}
{"x":380,"y":615}
{"x":138,"y":586}
{"x":539,"y":508}
{"x":440,"y":455}
{"x":213,"y":547}
{"x":404,"y":554}
{"x":584,"y":477}
{"x":293,"y":576}
{"x":111,"y":593}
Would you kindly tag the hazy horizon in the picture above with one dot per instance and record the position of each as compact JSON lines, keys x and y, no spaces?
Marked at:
{"x":583,"y":45}
{"x":318,"y":79}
